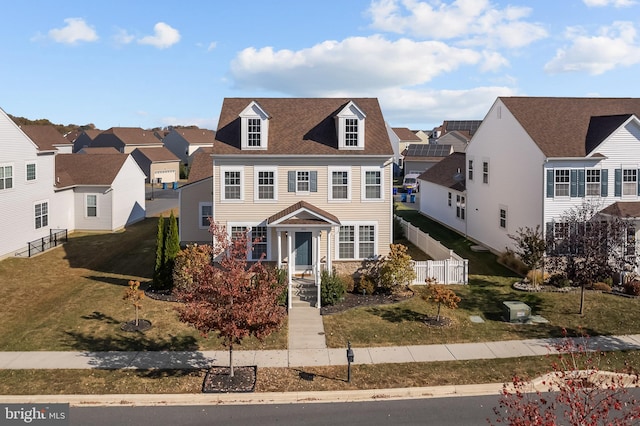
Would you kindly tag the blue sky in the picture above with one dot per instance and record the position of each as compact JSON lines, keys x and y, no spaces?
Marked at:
{"x":160,"y":63}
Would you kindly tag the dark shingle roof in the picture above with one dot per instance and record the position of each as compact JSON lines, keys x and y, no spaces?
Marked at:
{"x":197,"y":136}
{"x":128,"y":136}
{"x":405,"y":134}
{"x":44,"y":136}
{"x":320,"y":216}
{"x":448,"y":173}
{"x":202,"y":165}
{"x":94,"y":169}
{"x":158,"y":155}
{"x":301,"y":126}
{"x":99,"y":150}
{"x":623,"y":209}
{"x":559,"y":126}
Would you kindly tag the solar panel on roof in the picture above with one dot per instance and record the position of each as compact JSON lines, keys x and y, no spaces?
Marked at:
{"x":428,"y":150}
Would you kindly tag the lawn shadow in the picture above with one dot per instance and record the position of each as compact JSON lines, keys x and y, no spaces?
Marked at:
{"x":99,"y":316}
{"x":307,"y":376}
{"x":122,"y":282}
{"x":397,"y":314}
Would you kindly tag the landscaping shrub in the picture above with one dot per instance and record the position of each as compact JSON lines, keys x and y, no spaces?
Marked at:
{"x":537,"y":276}
{"x":632,"y":288}
{"x":396,"y":270}
{"x":349,"y":282}
{"x":332,"y":288}
{"x":189,"y":262}
{"x":509,"y":259}
{"x":281,"y":278}
{"x":559,"y":280}
{"x":601,"y":286}
{"x":365,"y":285}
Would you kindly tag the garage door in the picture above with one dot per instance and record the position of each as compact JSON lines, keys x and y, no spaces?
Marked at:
{"x":165,"y":176}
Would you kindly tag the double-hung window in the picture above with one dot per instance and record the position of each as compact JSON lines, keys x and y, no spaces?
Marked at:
{"x":6,"y":177}
{"x":485,"y":172}
{"x":347,"y":242}
{"x":253,"y":132}
{"x":31,"y":172}
{"x":41,"y":214}
{"x":92,"y":205}
{"x":205,"y":214}
{"x":302,"y":181}
{"x":351,"y":132}
{"x":372,"y":179}
{"x":593,"y":182}
{"x":266,"y":184}
{"x":231,"y":184}
{"x":471,"y":170}
{"x":460,"y":206}
{"x":357,"y":241}
{"x":339,"y":185}
{"x":366,"y":241}
{"x":562,"y":182}
{"x":629,"y":182}
{"x":503,"y":218}
{"x":258,"y":242}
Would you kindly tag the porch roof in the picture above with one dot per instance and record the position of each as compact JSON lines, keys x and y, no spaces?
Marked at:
{"x":623,"y":209}
{"x":317,"y":216}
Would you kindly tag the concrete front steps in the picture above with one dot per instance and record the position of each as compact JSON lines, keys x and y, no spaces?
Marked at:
{"x":306,"y":330}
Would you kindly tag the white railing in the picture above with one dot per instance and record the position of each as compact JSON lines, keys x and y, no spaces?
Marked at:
{"x":446,"y":267}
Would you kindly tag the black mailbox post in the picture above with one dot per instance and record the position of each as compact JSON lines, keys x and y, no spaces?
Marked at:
{"x":349,"y":361}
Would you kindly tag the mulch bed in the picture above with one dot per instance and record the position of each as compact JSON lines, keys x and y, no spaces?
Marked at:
{"x":218,"y":380}
{"x":143,"y":325}
{"x":164,"y":295}
{"x":352,"y":300}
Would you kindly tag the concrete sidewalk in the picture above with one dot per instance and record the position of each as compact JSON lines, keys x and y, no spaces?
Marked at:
{"x":302,"y":357}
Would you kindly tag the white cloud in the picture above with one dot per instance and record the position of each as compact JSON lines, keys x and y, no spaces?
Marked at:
{"x":613,"y":47}
{"x":164,"y":36}
{"x":212,"y":46}
{"x":470,"y":22}
{"x":614,"y":3}
{"x":356,"y":64}
{"x":123,"y":37}
{"x":75,"y":31}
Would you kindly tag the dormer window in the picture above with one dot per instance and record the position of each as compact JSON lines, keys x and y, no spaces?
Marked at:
{"x":350,"y":122}
{"x":254,"y":127}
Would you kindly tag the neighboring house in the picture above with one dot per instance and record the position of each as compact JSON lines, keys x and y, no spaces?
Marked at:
{"x":465,"y":127}
{"x":158,"y":164}
{"x":183,"y":142}
{"x":421,"y":157}
{"x":443,"y":194}
{"x":48,"y":138}
{"x":126,"y":139}
{"x":533,"y":159}
{"x":310,"y":178}
{"x":29,"y":209}
{"x":195,"y":200}
{"x":457,"y":140}
{"x":403,"y":138}
{"x":102,"y":192}
{"x":84,"y":139}
{"x":99,"y":150}
{"x":423,"y":135}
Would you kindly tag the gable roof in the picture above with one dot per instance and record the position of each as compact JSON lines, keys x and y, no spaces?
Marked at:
{"x":404,"y":134}
{"x":128,"y":136}
{"x":158,"y":154}
{"x":196,"y":136}
{"x":466,"y":127}
{"x":301,"y":126}
{"x":623,"y":209}
{"x":46,"y":137}
{"x":448,"y":173}
{"x":559,"y":126}
{"x":202,"y":165}
{"x":289,"y":215}
{"x":94,"y":169}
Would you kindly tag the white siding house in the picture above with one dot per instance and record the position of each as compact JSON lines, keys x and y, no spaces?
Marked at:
{"x":533,"y":159}
{"x":196,"y":200}
{"x":184,"y":142}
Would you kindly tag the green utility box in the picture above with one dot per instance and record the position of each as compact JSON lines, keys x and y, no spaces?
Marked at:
{"x":514,"y":311}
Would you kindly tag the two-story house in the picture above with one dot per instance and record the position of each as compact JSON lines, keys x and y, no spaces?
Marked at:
{"x":127,"y":139}
{"x":311,"y":179}
{"x":184,"y":142}
{"x":533,"y":159}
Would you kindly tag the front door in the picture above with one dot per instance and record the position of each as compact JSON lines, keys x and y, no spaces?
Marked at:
{"x":304,"y":250}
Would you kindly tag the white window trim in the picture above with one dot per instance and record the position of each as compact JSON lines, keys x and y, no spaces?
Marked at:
{"x":86,"y":206}
{"x":555,"y":183}
{"x":351,"y":111}
{"x":256,"y":170}
{"x":26,"y":174}
{"x":330,"y":184}
{"x":363,"y":184}
{"x":633,"y":195}
{"x":598,"y":185}
{"x":253,"y":110}
{"x":356,"y":248}
{"x":506,"y":217}
{"x":488,"y":174}
{"x":13,"y":176}
{"x":248,"y":225}
{"x":308,"y":191}
{"x":200,"y":215}
{"x":471,"y":172}
{"x":223,"y":170}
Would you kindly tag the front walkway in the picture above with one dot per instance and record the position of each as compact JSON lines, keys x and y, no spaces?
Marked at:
{"x":303,"y":357}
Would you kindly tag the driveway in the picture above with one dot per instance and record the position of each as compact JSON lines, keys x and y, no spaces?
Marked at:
{"x":160,"y":200}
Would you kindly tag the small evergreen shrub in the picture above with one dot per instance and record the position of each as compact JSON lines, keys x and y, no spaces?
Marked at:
{"x":332,"y":288}
{"x":559,"y":280}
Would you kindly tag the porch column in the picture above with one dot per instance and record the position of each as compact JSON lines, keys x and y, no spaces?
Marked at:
{"x":316,"y":241}
{"x":279,"y":239}
{"x":289,"y":268}
{"x":329,"y":255}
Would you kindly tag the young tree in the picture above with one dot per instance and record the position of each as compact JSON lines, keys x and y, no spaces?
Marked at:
{"x":158,"y":270}
{"x":530,"y":248}
{"x":233,"y":298}
{"x":588,"y":247}
{"x":440,"y":295}
{"x":583,"y":395}
{"x":171,"y":249}
{"x":134,"y":295}
{"x":188,"y":263}
{"x":396,"y":269}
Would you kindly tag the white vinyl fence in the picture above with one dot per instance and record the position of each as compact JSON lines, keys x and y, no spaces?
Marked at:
{"x":447,"y":267}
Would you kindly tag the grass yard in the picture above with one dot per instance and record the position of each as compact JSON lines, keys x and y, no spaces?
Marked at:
{"x":70,"y":298}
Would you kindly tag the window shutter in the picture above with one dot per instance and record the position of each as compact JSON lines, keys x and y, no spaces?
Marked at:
{"x":550,"y":183}
{"x":291,"y":181}
{"x":604,"y":184}
{"x":581,"y":183}
{"x":313,"y":181}
{"x":574,"y":182}
{"x":618,"y":183}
